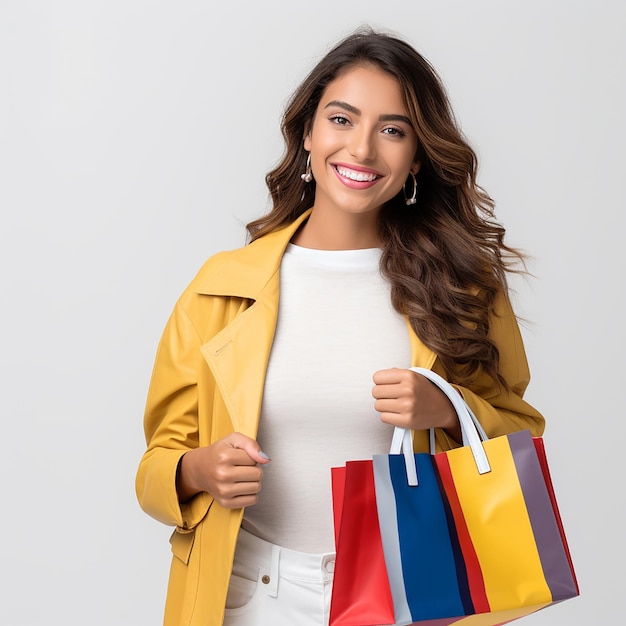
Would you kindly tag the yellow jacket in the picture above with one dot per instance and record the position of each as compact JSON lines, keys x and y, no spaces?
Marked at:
{"x":208,"y":381}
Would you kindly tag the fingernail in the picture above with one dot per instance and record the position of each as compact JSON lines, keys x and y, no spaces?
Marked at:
{"x":262,"y":454}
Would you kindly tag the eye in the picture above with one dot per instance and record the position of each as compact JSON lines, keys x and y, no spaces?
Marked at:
{"x":394,"y":132}
{"x":339,"y":120}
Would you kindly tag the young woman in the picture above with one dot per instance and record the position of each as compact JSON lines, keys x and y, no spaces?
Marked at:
{"x":385,"y":254}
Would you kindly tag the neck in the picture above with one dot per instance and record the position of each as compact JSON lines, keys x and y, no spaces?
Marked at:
{"x":345,"y":231}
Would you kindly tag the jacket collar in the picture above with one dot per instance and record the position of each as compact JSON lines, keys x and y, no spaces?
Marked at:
{"x":245,"y":272}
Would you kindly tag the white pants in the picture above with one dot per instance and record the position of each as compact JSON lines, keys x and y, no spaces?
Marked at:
{"x":277,"y":586}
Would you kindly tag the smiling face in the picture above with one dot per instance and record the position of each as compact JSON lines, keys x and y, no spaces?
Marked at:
{"x":361,"y":141}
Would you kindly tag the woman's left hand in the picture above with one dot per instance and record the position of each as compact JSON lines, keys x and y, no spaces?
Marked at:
{"x":407,"y":399}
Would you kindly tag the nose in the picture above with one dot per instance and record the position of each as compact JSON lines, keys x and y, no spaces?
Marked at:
{"x":362,"y":144}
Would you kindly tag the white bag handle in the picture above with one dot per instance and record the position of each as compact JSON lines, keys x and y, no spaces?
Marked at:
{"x":472,"y":432}
{"x":403,"y":440}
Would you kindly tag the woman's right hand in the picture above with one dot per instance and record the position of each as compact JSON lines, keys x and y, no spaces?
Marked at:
{"x":227,"y":469}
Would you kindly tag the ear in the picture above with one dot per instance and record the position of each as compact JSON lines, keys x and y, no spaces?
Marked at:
{"x":415,"y":168}
{"x":308,"y":127}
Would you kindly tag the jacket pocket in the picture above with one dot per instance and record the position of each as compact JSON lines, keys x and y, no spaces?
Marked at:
{"x":182,"y":543}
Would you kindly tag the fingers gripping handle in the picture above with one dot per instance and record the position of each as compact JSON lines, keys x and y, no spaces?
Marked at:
{"x":471,"y":430}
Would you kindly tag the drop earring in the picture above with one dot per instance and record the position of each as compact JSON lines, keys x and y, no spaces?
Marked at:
{"x":307,"y":177}
{"x":413,"y":198}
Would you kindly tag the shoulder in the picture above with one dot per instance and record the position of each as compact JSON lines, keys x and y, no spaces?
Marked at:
{"x":222,"y":273}
{"x":244,"y":271}
{"x":222,"y":261}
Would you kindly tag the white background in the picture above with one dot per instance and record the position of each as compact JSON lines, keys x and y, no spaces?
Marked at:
{"x":134,"y":138}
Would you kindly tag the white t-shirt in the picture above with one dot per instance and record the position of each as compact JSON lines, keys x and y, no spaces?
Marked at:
{"x":336,"y":327}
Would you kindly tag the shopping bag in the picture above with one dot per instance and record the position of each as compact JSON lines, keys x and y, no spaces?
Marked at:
{"x":361,"y":592}
{"x":472,"y":535}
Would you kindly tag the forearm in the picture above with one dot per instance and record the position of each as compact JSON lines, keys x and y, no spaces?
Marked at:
{"x":504,"y":414}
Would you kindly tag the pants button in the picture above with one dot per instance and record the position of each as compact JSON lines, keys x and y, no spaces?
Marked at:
{"x":330,"y":567}
{"x":265,"y":579}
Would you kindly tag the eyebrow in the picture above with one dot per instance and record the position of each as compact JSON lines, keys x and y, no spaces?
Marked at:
{"x":382,"y":118}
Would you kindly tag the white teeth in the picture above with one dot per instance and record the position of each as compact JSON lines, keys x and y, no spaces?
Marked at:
{"x":358,"y":176}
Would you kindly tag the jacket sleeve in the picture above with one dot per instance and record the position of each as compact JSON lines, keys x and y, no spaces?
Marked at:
{"x":500,"y":411}
{"x":171,"y":425}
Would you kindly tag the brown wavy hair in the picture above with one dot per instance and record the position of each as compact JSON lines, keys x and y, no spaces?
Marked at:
{"x":445,"y":257}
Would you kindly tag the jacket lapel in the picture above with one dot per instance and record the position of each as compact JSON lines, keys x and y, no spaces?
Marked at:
{"x":238,"y":355}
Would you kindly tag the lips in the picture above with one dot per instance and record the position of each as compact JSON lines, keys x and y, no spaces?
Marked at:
{"x":356,"y":177}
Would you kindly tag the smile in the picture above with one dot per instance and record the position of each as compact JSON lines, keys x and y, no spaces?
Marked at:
{"x":360,"y":177}
{"x":356,"y":178}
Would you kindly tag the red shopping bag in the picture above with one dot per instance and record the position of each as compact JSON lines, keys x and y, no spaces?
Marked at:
{"x":361,"y":592}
